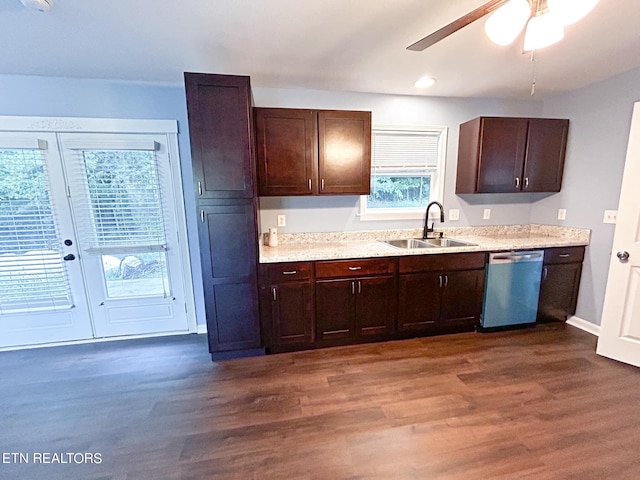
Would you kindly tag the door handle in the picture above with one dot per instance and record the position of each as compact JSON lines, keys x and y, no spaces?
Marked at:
{"x":545,"y":272}
{"x":446,"y":281}
{"x":517,"y":182}
{"x":274,"y":292}
{"x":359,"y":286}
{"x":355,"y":269}
{"x":440,"y":280}
{"x":69,"y":257}
{"x":526,"y":182}
{"x":623,"y":256}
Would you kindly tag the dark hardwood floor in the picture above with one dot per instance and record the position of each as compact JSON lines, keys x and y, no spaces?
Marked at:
{"x":526,"y":404}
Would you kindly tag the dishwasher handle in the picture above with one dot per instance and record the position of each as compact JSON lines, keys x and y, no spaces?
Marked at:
{"x":516,"y":257}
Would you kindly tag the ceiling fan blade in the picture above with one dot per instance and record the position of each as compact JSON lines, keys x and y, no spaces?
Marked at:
{"x":456,"y":25}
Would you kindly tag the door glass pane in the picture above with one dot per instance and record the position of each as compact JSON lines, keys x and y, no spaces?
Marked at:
{"x":136,"y":274}
{"x":32,"y":273}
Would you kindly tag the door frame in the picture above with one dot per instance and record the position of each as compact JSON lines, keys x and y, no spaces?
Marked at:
{"x":169,"y":128}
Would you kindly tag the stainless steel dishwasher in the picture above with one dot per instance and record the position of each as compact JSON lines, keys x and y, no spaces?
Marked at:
{"x":512,"y":289}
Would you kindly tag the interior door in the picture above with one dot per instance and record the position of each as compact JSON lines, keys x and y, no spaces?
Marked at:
{"x":620,"y":327}
{"x":42,"y":294}
{"x":124,"y":209}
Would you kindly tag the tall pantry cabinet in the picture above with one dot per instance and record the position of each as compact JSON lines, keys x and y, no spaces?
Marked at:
{"x":220,"y":129}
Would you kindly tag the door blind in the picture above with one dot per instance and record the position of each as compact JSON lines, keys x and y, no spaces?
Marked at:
{"x":32,"y":272}
{"x":117,"y":199}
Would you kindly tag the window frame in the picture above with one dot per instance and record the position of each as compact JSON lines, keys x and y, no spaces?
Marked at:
{"x":369,"y":214}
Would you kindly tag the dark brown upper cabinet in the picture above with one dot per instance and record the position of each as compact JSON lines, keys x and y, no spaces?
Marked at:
{"x":507,"y":155}
{"x":313,"y":152}
{"x":219,"y":112}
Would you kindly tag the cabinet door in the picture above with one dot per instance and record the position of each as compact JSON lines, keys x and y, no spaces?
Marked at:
{"x":291,"y":313}
{"x":462,"y":296}
{"x":419,"y":302}
{"x":228,"y":248}
{"x":375,"y":305}
{"x":559,"y":291}
{"x":502,"y":150}
{"x":544,"y":160}
{"x":335,"y":309}
{"x":286,"y":151}
{"x":219,"y":111}
{"x":344,"y":140}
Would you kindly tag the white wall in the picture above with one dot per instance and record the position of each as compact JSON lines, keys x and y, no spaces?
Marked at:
{"x":321,"y":214}
{"x":600,"y":121}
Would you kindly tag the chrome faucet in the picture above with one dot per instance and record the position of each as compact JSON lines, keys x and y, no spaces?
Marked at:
{"x":427,"y":230}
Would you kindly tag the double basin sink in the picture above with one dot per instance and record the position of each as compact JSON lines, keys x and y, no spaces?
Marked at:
{"x":409,"y":243}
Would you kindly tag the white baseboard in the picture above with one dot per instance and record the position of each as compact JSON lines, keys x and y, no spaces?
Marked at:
{"x":582,"y":324}
{"x":202,"y":328}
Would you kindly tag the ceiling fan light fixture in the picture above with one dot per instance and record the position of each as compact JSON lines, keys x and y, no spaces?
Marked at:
{"x":542,"y":31}
{"x":425,"y":82}
{"x":570,"y":11}
{"x":505,"y":24}
{"x":39,"y":5}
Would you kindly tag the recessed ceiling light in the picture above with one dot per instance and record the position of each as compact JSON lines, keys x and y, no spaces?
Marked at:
{"x":39,"y":5}
{"x":425,"y":82}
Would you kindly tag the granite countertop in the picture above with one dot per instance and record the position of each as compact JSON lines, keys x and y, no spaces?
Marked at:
{"x":296,"y":247}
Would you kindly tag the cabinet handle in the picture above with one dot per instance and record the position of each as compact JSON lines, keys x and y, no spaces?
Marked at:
{"x":275,"y":294}
{"x":202,"y":215}
{"x":359,"y":286}
{"x":199,"y":188}
{"x":517,"y":182}
{"x":322,"y":184}
{"x":292,"y":272}
{"x":355,"y":269}
{"x":353,"y":288}
{"x":440,"y":280}
{"x":545,"y":272}
{"x":309,"y":183}
{"x":564,"y":255}
{"x":526,"y":182}
{"x":446,"y":281}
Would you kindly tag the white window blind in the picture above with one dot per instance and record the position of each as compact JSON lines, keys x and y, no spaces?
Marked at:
{"x":117,"y":198}
{"x":404,"y":150}
{"x":32,"y":272}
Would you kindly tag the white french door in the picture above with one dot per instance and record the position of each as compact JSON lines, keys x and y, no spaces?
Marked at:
{"x":42,"y":296}
{"x":89,"y":238}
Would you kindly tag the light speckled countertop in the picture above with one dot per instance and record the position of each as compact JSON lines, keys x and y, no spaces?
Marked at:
{"x":296,"y":247}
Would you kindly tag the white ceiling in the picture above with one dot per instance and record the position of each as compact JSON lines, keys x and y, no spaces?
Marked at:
{"x":351,"y":45}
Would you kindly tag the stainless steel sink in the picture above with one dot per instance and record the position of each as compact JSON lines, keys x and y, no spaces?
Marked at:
{"x":408,"y":243}
{"x":447,"y":242}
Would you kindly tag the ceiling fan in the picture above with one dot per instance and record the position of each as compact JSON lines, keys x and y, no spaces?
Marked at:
{"x":544,"y":21}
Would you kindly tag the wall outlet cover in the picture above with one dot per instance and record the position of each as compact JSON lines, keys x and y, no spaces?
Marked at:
{"x":454,"y":214}
{"x":562,"y":214}
{"x":486,"y":214}
{"x":282,"y":221}
{"x":610,"y":216}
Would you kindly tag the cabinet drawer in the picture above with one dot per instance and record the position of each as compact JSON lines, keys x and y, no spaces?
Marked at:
{"x":563,"y":255}
{"x":283,"y":272}
{"x":453,"y":261}
{"x":353,"y":268}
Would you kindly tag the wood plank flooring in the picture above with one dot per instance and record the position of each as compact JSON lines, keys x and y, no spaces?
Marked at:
{"x":526,"y":404}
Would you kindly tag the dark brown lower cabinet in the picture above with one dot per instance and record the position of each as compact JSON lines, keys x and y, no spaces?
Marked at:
{"x":432,"y":298}
{"x":560,"y":283}
{"x":355,"y":308}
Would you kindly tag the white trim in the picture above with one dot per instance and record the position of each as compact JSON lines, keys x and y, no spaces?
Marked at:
{"x":86,"y":125}
{"x":183,"y":239}
{"x":92,"y":340}
{"x":585,"y":325}
{"x":202,"y":328}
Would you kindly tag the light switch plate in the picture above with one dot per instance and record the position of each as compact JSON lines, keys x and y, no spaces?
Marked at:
{"x":486,"y":214}
{"x":282,"y":221}
{"x":454,"y":214}
{"x":610,"y":216}
{"x":562,"y":214}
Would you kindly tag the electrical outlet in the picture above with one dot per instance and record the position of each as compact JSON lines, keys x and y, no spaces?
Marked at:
{"x":562,"y":214}
{"x":454,"y":214}
{"x":610,"y":216}
{"x":282,"y":221}
{"x":486,"y":214}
